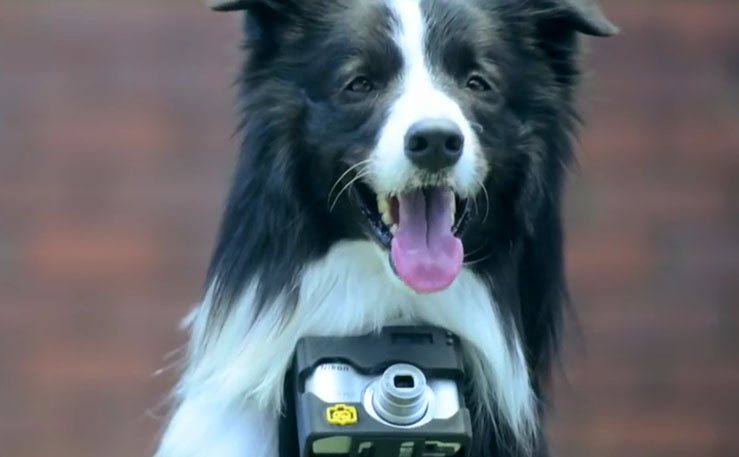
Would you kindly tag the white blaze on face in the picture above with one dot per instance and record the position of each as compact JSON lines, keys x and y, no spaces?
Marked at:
{"x":419,"y":97}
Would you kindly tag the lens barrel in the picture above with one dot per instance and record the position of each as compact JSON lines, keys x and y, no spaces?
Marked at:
{"x":401,"y":395}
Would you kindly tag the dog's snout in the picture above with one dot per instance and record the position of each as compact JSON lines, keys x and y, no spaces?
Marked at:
{"x":434,"y":144}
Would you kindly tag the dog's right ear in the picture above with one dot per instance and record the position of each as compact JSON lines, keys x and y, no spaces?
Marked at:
{"x":250,"y":5}
{"x":244,"y":5}
{"x":585,"y":16}
{"x":265,"y":19}
{"x":231,"y":5}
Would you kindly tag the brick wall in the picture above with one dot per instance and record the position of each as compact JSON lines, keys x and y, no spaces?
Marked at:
{"x":115,"y":149}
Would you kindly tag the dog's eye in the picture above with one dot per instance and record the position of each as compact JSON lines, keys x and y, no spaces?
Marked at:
{"x":360,"y":85}
{"x":476,"y":83}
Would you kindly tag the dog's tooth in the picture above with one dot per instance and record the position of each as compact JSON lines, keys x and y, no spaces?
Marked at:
{"x":383,"y":206}
{"x":454,"y":208}
{"x":393,"y":228}
{"x":387,"y":218}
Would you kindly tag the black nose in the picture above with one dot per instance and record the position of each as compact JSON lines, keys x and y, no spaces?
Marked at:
{"x":434,"y":144}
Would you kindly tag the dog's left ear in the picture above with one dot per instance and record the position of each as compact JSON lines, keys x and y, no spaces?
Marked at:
{"x":229,"y":5}
{"x":585,"y":16}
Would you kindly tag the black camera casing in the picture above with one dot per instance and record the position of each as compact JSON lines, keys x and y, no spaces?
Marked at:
{"x":347,"y":425}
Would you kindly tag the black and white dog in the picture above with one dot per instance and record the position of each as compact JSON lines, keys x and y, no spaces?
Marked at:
{"x":403,"y":162}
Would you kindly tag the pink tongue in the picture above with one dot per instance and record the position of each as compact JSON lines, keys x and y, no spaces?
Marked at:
{"x":426,"y":255}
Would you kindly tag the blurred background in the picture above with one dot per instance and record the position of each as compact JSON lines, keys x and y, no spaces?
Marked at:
{"x":116,"y":122}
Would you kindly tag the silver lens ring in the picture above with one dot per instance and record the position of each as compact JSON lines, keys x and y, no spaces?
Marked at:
{"x":400,"y":395}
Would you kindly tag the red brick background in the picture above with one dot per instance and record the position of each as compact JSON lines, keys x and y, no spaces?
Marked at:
{"x":115,"y":150}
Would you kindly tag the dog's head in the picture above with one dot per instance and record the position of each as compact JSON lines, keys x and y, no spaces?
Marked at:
{"x":423,"y":124}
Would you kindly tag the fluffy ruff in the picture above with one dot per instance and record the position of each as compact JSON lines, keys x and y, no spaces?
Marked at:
{"x":336,"y":226}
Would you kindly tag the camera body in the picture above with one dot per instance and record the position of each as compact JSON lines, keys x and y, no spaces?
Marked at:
{"x":397,"y":393}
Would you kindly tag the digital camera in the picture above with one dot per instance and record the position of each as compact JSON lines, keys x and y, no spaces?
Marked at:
{"x":397,"y":393}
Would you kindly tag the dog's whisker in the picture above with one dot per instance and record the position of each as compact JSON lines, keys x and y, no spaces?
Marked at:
{"x":361,"y":174}
{"x":487,"y":202}
{"x":481,"y":259}
{"x":343,"y":175}
{"x":477,"y":127}
{"x":476,"y":250}
{"x":476,"y":207}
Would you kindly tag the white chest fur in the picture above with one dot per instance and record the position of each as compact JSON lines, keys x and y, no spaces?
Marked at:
{"x":231,"y":392}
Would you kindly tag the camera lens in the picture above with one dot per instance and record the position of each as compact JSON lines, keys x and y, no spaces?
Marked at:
{"x":404,"y":382}
{"x":400,"y":396}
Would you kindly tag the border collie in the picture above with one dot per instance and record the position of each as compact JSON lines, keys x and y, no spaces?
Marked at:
{"x":402,"y":163}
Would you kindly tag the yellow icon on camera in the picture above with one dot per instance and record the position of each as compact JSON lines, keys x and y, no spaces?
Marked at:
{"x":342,"y":415}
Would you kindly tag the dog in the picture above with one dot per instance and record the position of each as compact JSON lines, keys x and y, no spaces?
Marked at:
{"x":402,"y":163}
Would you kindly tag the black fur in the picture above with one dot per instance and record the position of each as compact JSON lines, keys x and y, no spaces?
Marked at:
{"x":301,"y":132}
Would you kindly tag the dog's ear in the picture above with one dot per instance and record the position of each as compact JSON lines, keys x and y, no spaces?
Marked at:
{"x":265,"y":21}
{"x":243,"y":5}
{"x":585,"y":16}
{"x":233,"y":5}
{"x":228,"y":5}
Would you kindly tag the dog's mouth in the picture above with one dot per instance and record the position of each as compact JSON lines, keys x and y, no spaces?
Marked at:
{"x":422,"y":230}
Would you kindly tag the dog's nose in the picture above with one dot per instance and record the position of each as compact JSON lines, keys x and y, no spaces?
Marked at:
{"x":434,"y":144}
